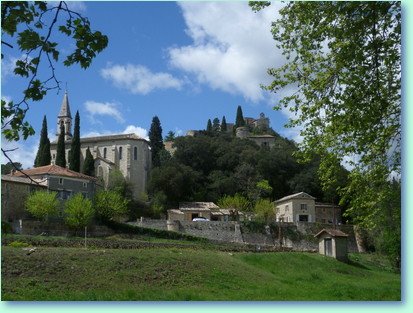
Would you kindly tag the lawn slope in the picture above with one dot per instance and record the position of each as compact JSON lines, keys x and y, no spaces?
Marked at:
{"x":187,"y":274}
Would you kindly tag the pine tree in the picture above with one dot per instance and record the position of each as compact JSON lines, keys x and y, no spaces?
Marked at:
{"x":239,"y":121}
{"x":224,"y":127}
{"x":60,"y":150}
{"x":209,"y":126}
{"x":43,"y":156}
{"x":89,"y":164}
{"x":155,"y":140}
{"x":74,"y":162}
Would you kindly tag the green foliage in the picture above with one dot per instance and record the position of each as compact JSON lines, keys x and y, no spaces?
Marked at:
{"x":264,"y":210}
{"x":42,"y":204}
{"x":170,"y":136}
{"x":6,"y":228}
{"x":28,"y":27}
{"x":8,"y":167}
{"x":74,"y":162}
{"x":89,"y":164}
{"x":110,"y":204}
{"x":215,"y":124}
{"x":60,"y":149}
{"x":155,"y":141}
{"x":209,"y":126}
{"x":224,"y":127}
{"x":239,"y":120}
{"x":17,"y":244}
{"x":237,"y":202}
{"x":79,"y":211}
{"x":344,"y":62}
{"x":43,"y":156}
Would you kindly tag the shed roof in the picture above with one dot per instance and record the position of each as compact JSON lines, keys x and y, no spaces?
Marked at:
{"x":198,"y":206}
{"x":332,"y":232}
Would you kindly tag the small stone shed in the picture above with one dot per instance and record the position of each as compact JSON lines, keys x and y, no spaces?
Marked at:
{"x":333,"y":242}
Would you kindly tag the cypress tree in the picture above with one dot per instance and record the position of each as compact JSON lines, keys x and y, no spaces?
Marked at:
{"x":74,"y":164}
{"x":224,"y":125}
{"x":215,"y":124}
{"x":156,"y":141}
{"x":239,"y":121}
{"x":209,"y":126}
{"x":60,"y":150}
{"x":43,"y":156}
{"x":89,"y":165}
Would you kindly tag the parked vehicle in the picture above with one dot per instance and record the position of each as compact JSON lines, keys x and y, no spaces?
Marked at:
{"x":199,"y":219}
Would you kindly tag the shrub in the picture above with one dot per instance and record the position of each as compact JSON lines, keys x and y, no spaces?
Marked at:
{"x":18,"y":244}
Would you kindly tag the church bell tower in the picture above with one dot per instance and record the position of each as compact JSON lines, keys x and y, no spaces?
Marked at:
{"x":65,"y":118}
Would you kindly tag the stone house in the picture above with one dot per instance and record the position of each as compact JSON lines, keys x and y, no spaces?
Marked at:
{"x":327,"y":213}
{"x":189,"y":210}
{"x":65,"y":182}
{"x":333,"y":243}
{"x":14,"y":191}
{"x":299,"y":207}
{"x":128,"y":153}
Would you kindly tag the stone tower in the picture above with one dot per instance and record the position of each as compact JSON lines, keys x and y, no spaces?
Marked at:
{"x":65,"y":118}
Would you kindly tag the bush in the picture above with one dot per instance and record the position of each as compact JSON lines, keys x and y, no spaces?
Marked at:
{"x":6,"y":228}
{"x":17,"y":244}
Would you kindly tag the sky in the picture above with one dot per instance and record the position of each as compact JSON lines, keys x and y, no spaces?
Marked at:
{"x":185,"y":62}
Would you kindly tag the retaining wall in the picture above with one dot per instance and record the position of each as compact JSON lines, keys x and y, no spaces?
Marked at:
{"x":298,"y":236}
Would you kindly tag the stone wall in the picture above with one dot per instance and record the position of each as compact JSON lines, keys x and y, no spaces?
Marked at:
{"x":297,"y":236}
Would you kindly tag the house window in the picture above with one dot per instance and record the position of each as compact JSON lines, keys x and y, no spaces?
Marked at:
{"x":287,"y":209}
{"x":68,"y":154}
{"x":135,"y":153}
{"x":303,"y":206}
{"x":64,"y":194}
{"x":84,"y":185}
{"x":54,"y":156}
{"x":303,"y":218}
{"x":105,"y":152}
{"x":120,"y":153}
{"x":60,"y":181}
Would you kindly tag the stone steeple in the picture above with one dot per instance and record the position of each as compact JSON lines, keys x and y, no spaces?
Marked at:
{"x":65,"y":118}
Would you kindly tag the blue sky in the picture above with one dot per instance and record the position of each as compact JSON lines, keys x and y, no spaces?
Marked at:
{"x":185,"y":62}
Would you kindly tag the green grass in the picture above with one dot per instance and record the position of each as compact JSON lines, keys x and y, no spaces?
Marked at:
{"x":189,"y":275}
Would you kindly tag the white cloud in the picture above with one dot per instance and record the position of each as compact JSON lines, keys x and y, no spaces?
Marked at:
{"x":103,"y":108}
{"x":232,"y":46}
{"x":130,"y":129}
{"x":138,"y":79}
{"x":21,"y":152}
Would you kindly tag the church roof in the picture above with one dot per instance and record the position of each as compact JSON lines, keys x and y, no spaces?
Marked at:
{"x":65,"y":108}
{"x":111,"y":137}
{"x":107,"y":138}
{"x":53,"y":170}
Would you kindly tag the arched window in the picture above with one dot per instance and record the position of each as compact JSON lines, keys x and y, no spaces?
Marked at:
{"x":105,"y":151}
{"x":135,"y":153}
{"x":120,"y":153}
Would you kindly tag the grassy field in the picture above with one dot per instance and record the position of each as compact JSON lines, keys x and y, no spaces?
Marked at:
{"x":181,"y":274}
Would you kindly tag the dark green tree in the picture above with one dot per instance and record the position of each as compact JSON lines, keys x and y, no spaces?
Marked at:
{"x":43,"y":156}
{"x":60,"y":150}
{"x":224,"y":127}
{"x":209,"y":126}
{"x":239,"y":121}
{"x":74,"y":162}
{"x":170,"y":136}
{"x":89,"y":164}
{"x":155,"y":140}
{"x":7,"y":168}
{"x":215,"y":124}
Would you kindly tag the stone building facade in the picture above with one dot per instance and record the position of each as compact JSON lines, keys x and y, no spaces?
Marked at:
{"x":128,"y":153}
{"x":14,"y":192}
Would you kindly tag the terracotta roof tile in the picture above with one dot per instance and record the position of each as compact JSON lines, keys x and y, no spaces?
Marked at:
{"x":54,"y":170}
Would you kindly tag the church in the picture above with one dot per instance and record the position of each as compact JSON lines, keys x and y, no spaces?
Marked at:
{"x":128,"y":153}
